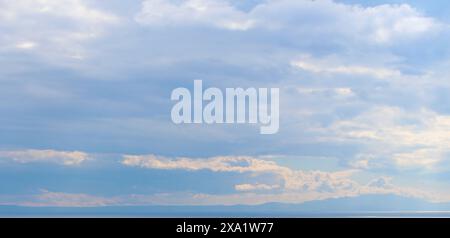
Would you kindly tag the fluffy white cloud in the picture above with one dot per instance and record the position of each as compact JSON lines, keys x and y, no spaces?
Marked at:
{"x":293,"y":185}
{"x":54,"y":28}
{"x":396,"y":22}
{"x":68,"y":158}
{"x":291,"y":179}
{"x":203,"y":12}
{"x":74,"y":9}
{"x":396,"y":137}
{"x":381,"y":24}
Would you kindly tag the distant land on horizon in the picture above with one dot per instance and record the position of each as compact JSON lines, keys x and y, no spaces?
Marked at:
{"x":362,"y":206}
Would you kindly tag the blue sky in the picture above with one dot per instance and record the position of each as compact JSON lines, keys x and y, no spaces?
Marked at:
{"x":85,"y":101}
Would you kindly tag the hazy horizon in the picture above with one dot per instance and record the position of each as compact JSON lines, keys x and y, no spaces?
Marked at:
{"x":89,"y":92}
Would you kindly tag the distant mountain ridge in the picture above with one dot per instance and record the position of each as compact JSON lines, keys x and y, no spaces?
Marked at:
{"x":381,"y":205}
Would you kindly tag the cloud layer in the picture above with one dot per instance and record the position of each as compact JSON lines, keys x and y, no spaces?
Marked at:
{"x":363,"y":92}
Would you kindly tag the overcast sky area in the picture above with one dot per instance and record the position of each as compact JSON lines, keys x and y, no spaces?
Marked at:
{"x":85,"y":101}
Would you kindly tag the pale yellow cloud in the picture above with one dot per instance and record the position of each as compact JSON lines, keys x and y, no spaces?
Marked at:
{"x":68,"y":158}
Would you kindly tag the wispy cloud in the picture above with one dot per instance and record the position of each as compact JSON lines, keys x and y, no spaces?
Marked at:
{"x":68,"y":158}
{"x":47,"y":198}
{"x":193,"y":12}
{"x":324,"y":67}
{"x":254,"y":187}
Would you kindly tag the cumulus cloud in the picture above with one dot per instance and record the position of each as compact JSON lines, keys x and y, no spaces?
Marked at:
{"x":75,"y":9}
{"x":294,"y":185}
{"x":381,"y":24}
{"x":291,"y":179}
{"x":396,"y":22}
{"x":30,"y":24}
{"x":68,"y":158}
{"x":395,"y":137}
